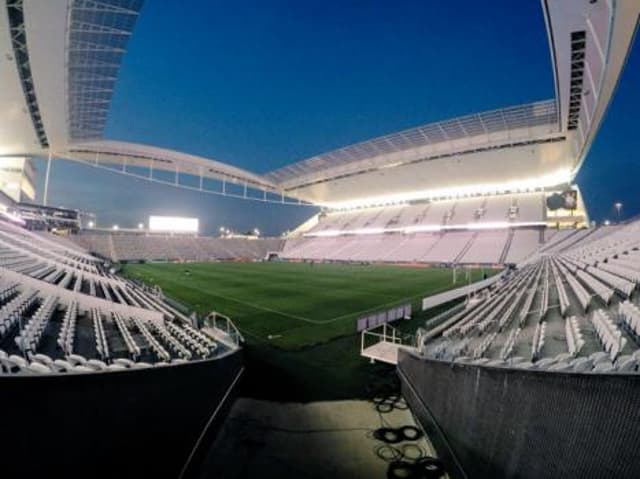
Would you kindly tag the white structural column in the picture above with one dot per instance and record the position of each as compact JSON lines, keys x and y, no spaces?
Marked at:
{"x":46,"y":180}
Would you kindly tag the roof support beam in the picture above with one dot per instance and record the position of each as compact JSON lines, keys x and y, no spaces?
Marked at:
{"x":101,"y":7}
{"x":45,"y":196}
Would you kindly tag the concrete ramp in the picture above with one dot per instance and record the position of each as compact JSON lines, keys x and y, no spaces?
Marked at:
{"x":319,"y":440}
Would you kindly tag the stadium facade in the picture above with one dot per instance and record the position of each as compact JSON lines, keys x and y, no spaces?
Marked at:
{"x":61,"y":64}
{"x":93,"y":367}
{"x":438,"y":181}
{"x":430,"y":194}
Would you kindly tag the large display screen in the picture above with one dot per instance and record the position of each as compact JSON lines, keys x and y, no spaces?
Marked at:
{"x":567,"y":200}
{"x":173,"y":224}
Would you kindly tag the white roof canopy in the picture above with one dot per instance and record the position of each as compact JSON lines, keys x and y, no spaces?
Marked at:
{"x":130,"y":155}
{"x":435,"y":140}
{"x":62,"y":57}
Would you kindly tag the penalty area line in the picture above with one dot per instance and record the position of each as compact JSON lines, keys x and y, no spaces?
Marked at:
{"x":262,"y":308}
{"x":384,"y":305}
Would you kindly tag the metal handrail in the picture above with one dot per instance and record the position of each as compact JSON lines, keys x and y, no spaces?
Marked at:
{"x":225,"y":325}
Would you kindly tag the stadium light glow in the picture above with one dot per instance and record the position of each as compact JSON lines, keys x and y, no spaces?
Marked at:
{"x":115,"y":227}
{"x":422,"y":229}
{"x":327,"y":233}
{"x":618,"y":207}
{"x":91,"y":224}
{"x":496,"y":225}
{"x":559,"y":177}
{"x":490,"y":225}
{"x":173,"y":224}
{"x":368,"y":231}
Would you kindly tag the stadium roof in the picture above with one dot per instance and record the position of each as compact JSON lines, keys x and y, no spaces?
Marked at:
{"x":98,"y":33}
{"x":60,"y":66}
{"x":438,"y":137}
{"x":522,"y":139}
{"x":537,"y":145}
{"x":58,"y":80}
{"x":62,"y":59}
{"x":136,"y":159}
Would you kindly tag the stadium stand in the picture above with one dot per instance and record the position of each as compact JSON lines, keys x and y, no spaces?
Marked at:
{"x":461,"y":247}
{"x":150,"y":247}
{"x":61,"y":292}
{"x":535,"y":375}
{"x":516,"y":209}
{"x":64,"y":316}
{"x":563,"y":328}
{"x":577,"y":297}
{"x":486,"y":248}
{"x":523,"y":243}
{"x":483,"y":230}
{"x":450,"y":246}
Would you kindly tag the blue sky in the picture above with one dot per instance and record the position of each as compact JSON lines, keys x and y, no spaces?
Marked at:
{"x":262,"y":84}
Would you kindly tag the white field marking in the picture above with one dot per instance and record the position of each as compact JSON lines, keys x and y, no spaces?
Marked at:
{"x":355,"y":313}
{"x":318,"y":321}
{"x":263,"y":308}
{"x":360,"y":290}
{"x":351,"y":288}
{"x":246,"y":332}
{"x":373,"y":308}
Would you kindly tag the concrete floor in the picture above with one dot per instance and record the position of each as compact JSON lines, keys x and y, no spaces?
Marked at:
{"x":262,"y":439}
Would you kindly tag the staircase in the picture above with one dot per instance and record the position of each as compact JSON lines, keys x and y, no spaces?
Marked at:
{"x":507,"y":246}
{"x":433,"y":245}
{"x":112,"y":250}
{"x":466,"y":247}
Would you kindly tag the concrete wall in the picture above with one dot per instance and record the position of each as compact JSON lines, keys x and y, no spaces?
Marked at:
{"x":137,"y":423}
{"x":497,"y":422}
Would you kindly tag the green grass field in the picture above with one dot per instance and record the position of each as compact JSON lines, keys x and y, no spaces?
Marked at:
{"x":299,"y":319}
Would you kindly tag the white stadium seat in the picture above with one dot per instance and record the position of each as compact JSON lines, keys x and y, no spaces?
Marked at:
{"x":62,"y":366}
{"x":39,"y":368}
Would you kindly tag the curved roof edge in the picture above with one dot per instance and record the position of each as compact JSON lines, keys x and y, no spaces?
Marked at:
{"x":134,"y":155}
{"x":531,"y":121}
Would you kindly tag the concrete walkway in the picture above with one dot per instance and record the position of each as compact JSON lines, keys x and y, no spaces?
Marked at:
{"x":335,"y":440}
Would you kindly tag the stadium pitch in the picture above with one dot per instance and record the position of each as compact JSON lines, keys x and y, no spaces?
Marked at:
{"x":299,"y":318}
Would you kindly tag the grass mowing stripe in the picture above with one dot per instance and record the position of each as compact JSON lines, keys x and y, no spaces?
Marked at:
{"x":395,"y":301}
{"x":257,"y":306}
{"x":387,"y":305}
{"x":326,"y":296}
